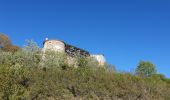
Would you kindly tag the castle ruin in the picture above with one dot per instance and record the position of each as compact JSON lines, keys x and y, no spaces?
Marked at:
{"x":71,"y":51}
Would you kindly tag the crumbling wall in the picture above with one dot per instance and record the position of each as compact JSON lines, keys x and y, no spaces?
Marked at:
{"x":71,"y":51}
{"x":100,"y":59}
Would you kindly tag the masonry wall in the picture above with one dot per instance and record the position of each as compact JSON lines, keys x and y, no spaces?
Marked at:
{"x":54,"y":45}
{"x":71,"y":51}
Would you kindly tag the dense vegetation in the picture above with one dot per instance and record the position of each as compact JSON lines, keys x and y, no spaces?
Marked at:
{"x":24,"y":75}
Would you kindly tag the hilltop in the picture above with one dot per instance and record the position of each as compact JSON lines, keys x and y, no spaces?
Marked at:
{"x":25,"y":75}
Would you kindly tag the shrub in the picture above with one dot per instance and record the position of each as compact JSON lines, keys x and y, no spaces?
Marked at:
{"x":25,"y":76}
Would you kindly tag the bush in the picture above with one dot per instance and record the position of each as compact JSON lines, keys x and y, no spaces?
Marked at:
{"x":26,"y":76}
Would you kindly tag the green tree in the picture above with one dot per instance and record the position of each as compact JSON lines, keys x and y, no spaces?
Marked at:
{"x":145,"y":69}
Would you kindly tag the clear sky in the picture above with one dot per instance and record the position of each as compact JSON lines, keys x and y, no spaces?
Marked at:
{"x":125,"y":31}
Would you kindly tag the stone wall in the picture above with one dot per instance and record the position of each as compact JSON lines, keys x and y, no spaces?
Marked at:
{"x":71,"y":51}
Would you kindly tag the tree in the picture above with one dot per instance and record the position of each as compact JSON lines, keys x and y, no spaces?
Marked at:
{"x":4,"y":40}
{"x":6,"y":45}
{"x":31,"y":47}
{"x":145,"y":69}
{"x":10,"y":48}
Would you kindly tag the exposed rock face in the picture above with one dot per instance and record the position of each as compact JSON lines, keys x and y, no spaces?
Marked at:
{"x":71,"y":51}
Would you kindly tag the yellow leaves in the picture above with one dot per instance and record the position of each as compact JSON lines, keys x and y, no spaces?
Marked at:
{"x":6,"y":44}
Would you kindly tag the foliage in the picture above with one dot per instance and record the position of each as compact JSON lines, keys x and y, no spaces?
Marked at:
{"x":146,"y":69}
{"x":10,"y":48}
{"x":6,"y":45}
{"x":31,"y":47}
{"x":23,"y":78}
{"x":54,"y":59}
{"x":4,"y":40}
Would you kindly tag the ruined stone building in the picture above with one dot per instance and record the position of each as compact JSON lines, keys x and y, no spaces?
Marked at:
{"x":71,"y":51}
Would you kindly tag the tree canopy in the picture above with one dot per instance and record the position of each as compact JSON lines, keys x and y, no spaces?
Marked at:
{"x":6,"y":44}
{"x":4,"y":40}
{"x":146,"y":69}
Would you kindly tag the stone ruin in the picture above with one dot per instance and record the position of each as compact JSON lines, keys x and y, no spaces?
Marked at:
{"x":71,"y":51}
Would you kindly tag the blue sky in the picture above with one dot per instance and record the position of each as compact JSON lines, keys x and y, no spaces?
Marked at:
{"x":126,"y":31}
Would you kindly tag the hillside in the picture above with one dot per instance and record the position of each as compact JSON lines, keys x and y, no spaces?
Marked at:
{"x":24,"y":77}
